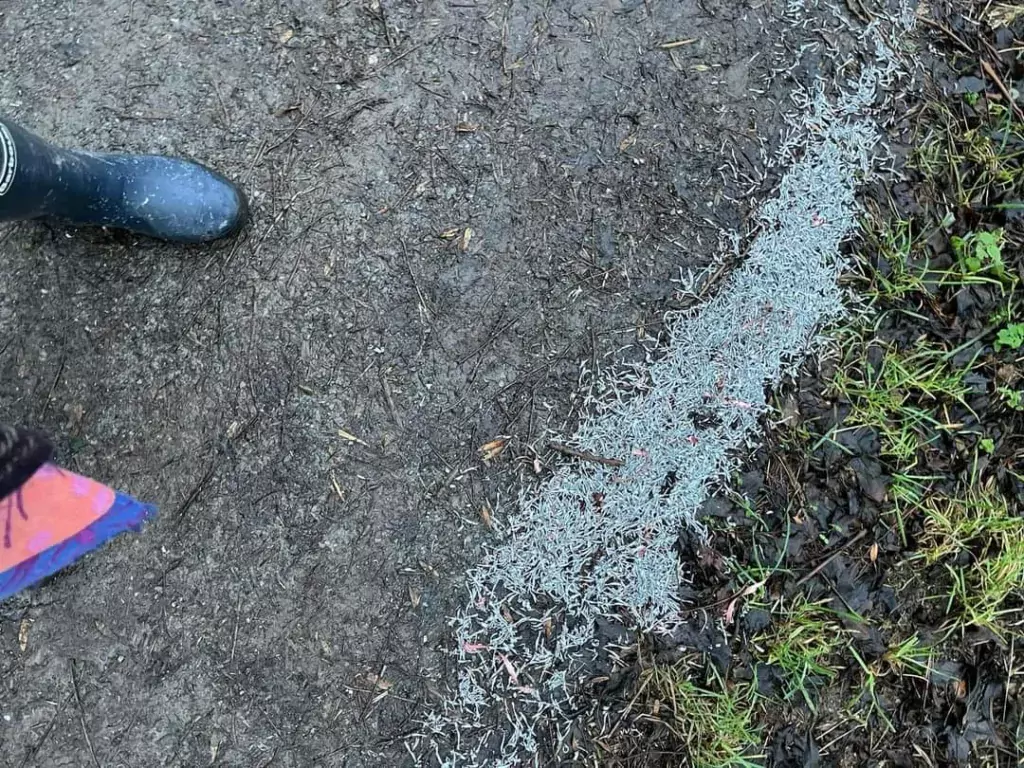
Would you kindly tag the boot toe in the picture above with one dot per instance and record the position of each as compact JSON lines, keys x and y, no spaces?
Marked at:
{"x":183,"y":202}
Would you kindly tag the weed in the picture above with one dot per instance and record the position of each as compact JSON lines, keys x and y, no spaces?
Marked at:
{"x":980,"y":541}
{"x":1012,"y":397}
{"x":983,"y":590}
{"x":971,"y":156}
{"x":869,"y":692}
{"x":911,"y":656}
{"x":1001,"y":316}
{"x":979,"y":252}
{"x":716,"y":723}
{"x":894,"y":243}
{"x":1011,"y":337}
{"x":804,"y":644}
{"x":988,"y":445}
{"x":899,"y":396}
{"x":906,"y":492}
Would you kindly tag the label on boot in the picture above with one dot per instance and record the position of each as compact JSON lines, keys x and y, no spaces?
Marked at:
{"x":8,"y":159}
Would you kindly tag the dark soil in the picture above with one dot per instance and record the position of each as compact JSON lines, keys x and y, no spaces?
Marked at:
{"x":824,"y":511}
{"x":287,"y":607}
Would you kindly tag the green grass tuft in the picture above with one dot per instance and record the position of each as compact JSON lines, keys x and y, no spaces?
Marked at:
{"x":717,"y":723}
{"x":804,"y":642}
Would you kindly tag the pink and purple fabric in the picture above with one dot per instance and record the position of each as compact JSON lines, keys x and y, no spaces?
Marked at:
{"x":53,"y":518}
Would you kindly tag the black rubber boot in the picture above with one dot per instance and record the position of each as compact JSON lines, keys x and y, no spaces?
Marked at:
{"x":161,"y":197}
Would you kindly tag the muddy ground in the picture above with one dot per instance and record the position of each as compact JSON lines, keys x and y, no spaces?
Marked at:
{"x":294,"y":576}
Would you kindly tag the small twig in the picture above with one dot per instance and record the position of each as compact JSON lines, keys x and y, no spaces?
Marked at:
{"x":585,"y":455}
{"x":234,"y":635}
{"x":628,"y":709}
{"x":745,"y":592}
{"x":30,"y":755}
{"x":81,"y":714}
{"x":194,"y":493}
{"x":1002,"y":88}
{"x":223,"y":106}
{"x":399,"y":57}
{"x":387,"y":26}
{"x":818,"y":568}
{"x":53,"y":386}
{"x":385,"y":385}
{"x":948,"y":32}
{"x":857,"y":9}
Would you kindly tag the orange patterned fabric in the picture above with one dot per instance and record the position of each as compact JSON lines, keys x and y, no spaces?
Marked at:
{"x":50,"y":508}
{"x":53,"y":519}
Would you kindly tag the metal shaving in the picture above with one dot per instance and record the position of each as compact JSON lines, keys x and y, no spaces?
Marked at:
{"x":597,"y":542}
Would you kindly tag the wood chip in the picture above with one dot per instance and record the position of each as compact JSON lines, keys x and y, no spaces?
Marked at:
{"x":493,"y":449}
{"x":678,"y":43}
{"x":350,"y":437}
{"x":23,"y":634}
{"x":379,"y":682}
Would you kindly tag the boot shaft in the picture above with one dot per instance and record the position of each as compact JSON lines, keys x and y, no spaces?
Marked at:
{"x":159,"y":197}
{"x":8,"y":159}
{"x":41,"y":180}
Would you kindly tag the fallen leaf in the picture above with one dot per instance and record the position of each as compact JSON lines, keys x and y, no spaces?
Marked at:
{"x":873,"y":552}
{"x":473,"y":647}
{"x":23,"y":634}
{"x":748,"y":590}
{"x":467,"y":235}
{"x":536,"y":466}
{"x":466,"y":127}
{"x":485,"y":515}
{"x":549,"y":627}
{"x":493,"y":449}
{"x":627,"y":142}
{"x":287,"y":35}
{"x":378,"y":682}
{"x":451,"y":233}
{"x":414,"y":597}
{"x":656,"y":708}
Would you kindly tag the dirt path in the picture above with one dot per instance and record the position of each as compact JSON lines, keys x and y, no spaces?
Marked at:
{"x":455,"y":205}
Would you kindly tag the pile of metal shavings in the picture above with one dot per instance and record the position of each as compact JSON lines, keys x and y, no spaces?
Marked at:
{"x":596,"y":542}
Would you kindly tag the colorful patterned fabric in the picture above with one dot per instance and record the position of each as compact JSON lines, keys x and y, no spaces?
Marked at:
{"x":53,"y":519}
